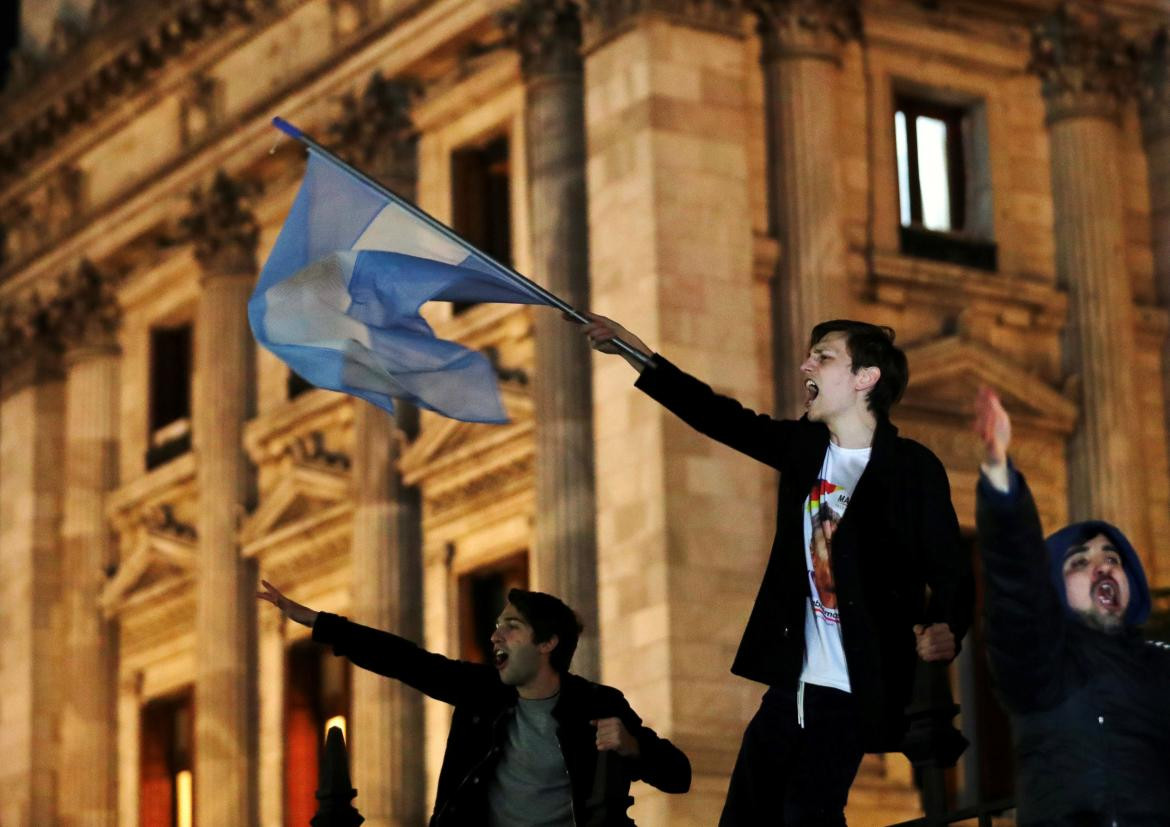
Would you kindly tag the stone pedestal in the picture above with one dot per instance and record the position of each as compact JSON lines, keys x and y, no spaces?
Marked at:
{"x":88,"y":310}
{"x":32,"y":403}
{"x":1077,"y":57}
{"x":548,"y":36}
{"x":801,"y":42}
{"x":225,"y":708}
{"x":682,"y":521}
{"x":386,"y":561}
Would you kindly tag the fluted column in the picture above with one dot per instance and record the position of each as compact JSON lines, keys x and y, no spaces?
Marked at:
{"x":32,"y":397}
{"x":801,"y":42}
{"x":376,"y":133}
{"x":225,"y":768}
{"x":270,"y":660}
{"x":89,"y":316}
{"x":547,"y":34}
{"x":129,"y":767}
{"x":1080,"y":59}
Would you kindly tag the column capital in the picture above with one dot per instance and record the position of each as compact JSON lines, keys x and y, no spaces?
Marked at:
{"x":30,"y":343}
{"x":86,"y":308}
{"x":1154,"y":85}
{"x":547,"y":34}
{"x":222,"y":227}
{"x":806,"y":28}
{"x":1083,"y":62}
{"x":605,"y":19}
{"x":375,"y":132}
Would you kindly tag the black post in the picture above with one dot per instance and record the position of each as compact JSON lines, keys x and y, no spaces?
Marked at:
{"x":334,"y":792}
{"x":932,"y":743}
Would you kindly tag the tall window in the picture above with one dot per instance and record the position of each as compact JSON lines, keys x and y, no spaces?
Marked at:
{"x":166,"y":771}
{"x":170,"y":394}
{"x":944,"y":195}
{"x":317,"y":697}
{"x":481,"y":199}
{"x":482,"y":595}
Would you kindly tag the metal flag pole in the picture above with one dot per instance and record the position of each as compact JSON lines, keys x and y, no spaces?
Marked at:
{"x":503,"y":270}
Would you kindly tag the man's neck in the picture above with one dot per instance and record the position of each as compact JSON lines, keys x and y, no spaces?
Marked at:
{"x":546,"y":684}
{"x":853,"y":430}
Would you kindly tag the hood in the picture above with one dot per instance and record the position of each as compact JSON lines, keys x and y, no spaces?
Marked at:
{"x":1071,"y":535}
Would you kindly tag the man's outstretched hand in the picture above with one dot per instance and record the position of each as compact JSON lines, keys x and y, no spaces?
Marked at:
{"x":994,"y":428}
{"x":601,"y":332}
{"x":289,"y":608}
{"x":935,"y":642}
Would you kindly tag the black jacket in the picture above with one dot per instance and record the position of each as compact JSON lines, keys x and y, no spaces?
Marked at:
{"x":479,"y":727}
{"x":898,"y":534}
{"x":1090,"y":711}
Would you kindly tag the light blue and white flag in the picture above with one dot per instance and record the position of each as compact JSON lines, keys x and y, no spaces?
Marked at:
{"x":338,"y":299}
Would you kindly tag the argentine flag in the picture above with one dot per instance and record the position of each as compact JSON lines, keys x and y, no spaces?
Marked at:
{"x":338,"y":299}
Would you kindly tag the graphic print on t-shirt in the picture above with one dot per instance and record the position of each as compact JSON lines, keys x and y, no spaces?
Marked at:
{"x":824,"y":523}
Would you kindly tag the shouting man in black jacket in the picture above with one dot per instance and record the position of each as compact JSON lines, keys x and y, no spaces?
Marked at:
{"x":864,"y":524}
{"x":1089,"y":698}
{"x":530,"y":743}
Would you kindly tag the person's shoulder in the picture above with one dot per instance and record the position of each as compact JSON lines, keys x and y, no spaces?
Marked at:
{"x":918,"y":454}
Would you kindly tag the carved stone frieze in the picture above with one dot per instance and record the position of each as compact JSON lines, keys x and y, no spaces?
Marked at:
{"x":806,"y":28}
{"x":605,"y":19}
{"x":222,"y":227}
{"x":201,"y":107}
{"x":310,"y":449}
{"x":30,"y":343}
{"x":1085,"y":64}
{"x":86,"y":306}
{"x":376,"y":134}
{"x":471,"y":493}
{"x":1154,"y":85}
{"x":547,"y":34}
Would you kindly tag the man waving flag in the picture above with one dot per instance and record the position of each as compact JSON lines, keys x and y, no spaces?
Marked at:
{"x":338,"y":299}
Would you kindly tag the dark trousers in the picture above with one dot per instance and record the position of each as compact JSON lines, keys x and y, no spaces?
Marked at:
{"x":791,"y":775}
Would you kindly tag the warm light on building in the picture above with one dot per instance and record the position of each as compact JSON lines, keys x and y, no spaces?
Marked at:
{"x":184,"y":799}
{"x":339,"y":722}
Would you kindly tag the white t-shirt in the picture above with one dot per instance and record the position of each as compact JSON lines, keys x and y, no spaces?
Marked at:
{"x":824,"y":656}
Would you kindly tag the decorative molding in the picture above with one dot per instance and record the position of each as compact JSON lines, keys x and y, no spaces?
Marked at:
{"x":1083,"y":61}
{"x":1154,"y":86}
{"x":604,"y":20}
{"x":201,"y":107}
{"x":375,"y":132}
{"x":547,"y":34}
{"x":221,"y":225}
{"x":31,"y":347}
{"x":86,"y":305}
{"x":806,"y":28}
{"x":50,"y":211}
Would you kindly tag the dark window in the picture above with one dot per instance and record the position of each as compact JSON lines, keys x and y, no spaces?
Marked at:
{"x":481,"y":201}
{"x":944,"y":193}
{"x":167,"y":795}
{"x":9,"y":36}
{"x":482,"y":595}
{"x":170,"y":394}
{"x":317,"y":695}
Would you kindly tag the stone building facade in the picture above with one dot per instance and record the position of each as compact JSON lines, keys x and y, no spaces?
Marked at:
{"x":718,"y":175}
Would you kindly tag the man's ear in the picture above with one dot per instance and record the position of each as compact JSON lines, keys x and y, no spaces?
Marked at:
{"x":867,"y":378}
{"x":547,"y":646}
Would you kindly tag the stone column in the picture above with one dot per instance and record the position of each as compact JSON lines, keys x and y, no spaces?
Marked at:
{"x":1079,"y":57}
{"x":386,"y":550}
{"x":271,"y":677}
{"x":225,"y":721}
{"x":129,"y":765}
{"x":32,"y":447}
{"x":547,"y":34}
{"x":801,"y":43}
{"x":683,"y":522}
{"x":89,"y":316}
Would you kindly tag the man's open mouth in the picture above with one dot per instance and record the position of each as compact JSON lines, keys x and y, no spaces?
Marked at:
{"x":1106,"y":594}
{"x":810,"y":391}
{"x":500,"y":657}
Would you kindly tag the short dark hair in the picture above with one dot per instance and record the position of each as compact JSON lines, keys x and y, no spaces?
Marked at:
{"x":872,"y":345}
{"x":548,"y":616}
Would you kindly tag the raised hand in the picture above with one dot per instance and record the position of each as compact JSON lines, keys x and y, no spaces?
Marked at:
{"x":993,"y":426}
{"x":601,"y":332}
{"x":290,"y":608}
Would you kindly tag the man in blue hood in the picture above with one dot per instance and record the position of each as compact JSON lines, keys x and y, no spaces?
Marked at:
{"x":1089,"y":698}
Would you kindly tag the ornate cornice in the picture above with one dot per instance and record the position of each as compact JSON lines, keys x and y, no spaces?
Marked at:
{"x":376,"y":132}
{"x":606,"y":19}
{"x":30,"y":343}
{"x":86,"y":307}
{"x":85,"y":70}
{"x":1083,"y":61}
{"x":1154,"y":86}
{"x":547,"y":34}
{"x":42,"y":216}
{"x":222,"y":227}
{"x":806,"y":28}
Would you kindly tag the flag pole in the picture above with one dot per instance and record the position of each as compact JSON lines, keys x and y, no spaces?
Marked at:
{"x":502,"y":269}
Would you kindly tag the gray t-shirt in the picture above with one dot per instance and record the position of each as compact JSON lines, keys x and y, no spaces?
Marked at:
{"x":531,"y":787}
